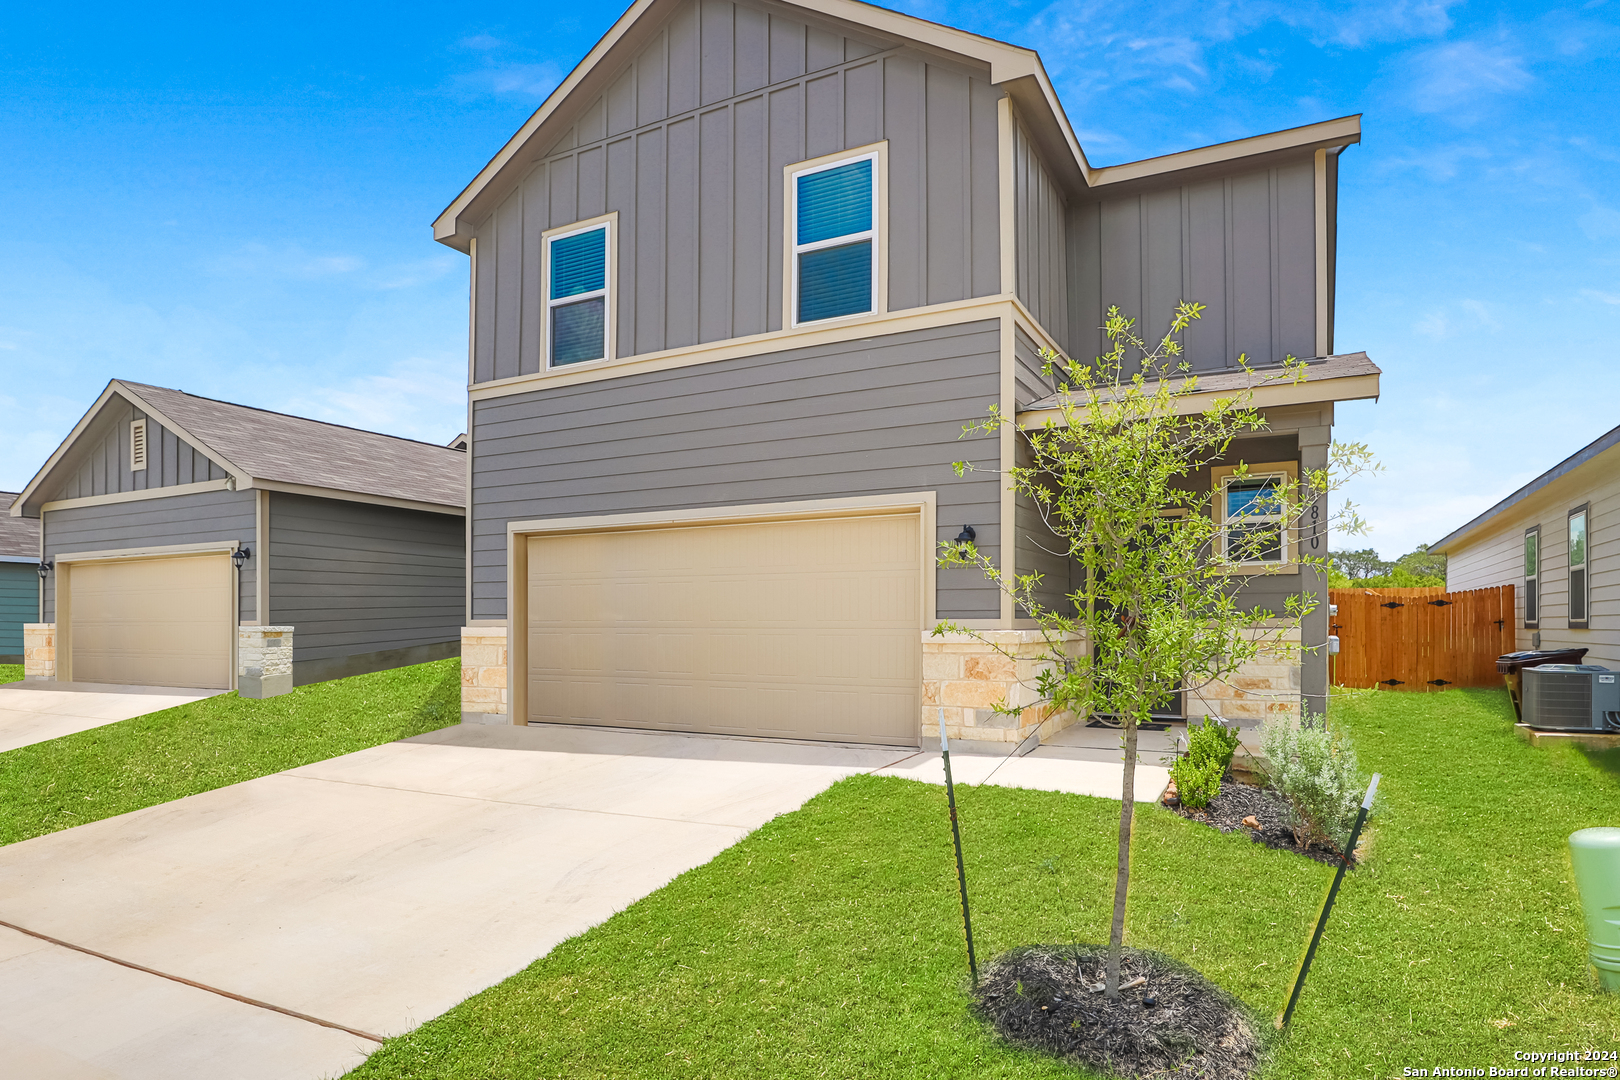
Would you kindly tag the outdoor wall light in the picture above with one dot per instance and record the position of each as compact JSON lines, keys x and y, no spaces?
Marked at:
{"x":45,"y":568}
{"x":240,"y":556}
{"x":967,"y":535}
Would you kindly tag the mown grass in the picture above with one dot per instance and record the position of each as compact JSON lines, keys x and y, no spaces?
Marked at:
{"x":208,"y":744}
{"x":828,"y":943}
{"x":10,"y":673}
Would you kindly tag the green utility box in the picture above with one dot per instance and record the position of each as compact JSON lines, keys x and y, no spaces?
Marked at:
{"x":1596,"y":856}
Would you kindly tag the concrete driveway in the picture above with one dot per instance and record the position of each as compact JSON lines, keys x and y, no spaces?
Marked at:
{"x":37,"y":711}
{"x":278,"y":927}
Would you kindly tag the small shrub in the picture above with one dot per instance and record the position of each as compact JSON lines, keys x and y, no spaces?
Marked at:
{"x":1313,"y":767}
{"x":1212,"y":741}
{"x":1197,"y":782}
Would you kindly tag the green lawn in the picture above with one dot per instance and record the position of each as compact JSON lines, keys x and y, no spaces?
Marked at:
{"x":10,"y":673}
{"x":208,"y":744}
{"x":828,"y":944}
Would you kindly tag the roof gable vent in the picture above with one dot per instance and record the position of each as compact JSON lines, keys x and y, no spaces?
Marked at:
{"x":137,"y":445}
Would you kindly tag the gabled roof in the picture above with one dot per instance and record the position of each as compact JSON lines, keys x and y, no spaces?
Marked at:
{"x":1016,"y":69}
{"x":1607,"y":441}
{"x":260,"y":448}
{"x":19,"y":536}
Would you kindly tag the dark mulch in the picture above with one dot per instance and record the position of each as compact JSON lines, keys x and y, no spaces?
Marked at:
{"x":1040,"y":997}
{"x":1236,"y":801}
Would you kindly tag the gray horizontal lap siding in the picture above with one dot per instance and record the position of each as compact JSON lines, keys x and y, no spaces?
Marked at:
{"x":697,"y":182}
{"x":353,"y":578}
{"x":1244,"y":245}
{"x":100,"y":460}
{"x":201,"y":517}
{"x":858,"y":418}
{"x":19,"y":604}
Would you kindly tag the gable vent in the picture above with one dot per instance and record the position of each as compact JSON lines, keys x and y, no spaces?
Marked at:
{"x":137,"y":445}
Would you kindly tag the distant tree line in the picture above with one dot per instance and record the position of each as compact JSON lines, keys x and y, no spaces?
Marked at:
{"x":1364,"y":569}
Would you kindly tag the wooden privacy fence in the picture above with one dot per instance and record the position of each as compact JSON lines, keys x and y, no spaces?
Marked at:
{"x":1420,"y":639}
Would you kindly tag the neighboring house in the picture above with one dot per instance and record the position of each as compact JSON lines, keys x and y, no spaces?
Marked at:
{"x":19,"y":579}
{"x":737,"y":286}
{"x":193,"y":542}
{"x":1557,"y":541}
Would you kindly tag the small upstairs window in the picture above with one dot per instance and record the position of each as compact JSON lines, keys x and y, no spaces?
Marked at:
{"x":1252,"y":512}
{"x":578,"y":312}
{"x":1532,"y":577}
{"x":137,"y":445}
{"x":1577,"y":568}
{"x":833,"y":226}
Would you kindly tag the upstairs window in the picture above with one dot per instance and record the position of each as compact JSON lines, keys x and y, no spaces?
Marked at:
{"x":833,"y":225}
{"x":1532,"y":577}
{"x":1577,"y":567}
{"x":577,"y":307}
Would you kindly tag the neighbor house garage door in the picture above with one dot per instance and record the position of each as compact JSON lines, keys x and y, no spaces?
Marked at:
{"x":152,"y":622}
{"x":804,"y":629}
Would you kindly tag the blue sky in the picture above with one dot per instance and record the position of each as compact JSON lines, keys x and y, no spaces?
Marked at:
{"x":238,"y":203}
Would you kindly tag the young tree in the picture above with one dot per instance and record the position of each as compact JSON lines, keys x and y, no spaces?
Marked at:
{"x":1361,"y":563}
{"x":1159,"y":607}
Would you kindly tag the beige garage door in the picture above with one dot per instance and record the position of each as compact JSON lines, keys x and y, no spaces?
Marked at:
{"x":802,"y":629}
{"x":152,"y":622}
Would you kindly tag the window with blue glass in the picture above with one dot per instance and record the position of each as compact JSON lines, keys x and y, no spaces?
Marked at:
{"x":835,"y":240}
{"x":577,"y":296}
{"x":1253,"y":510}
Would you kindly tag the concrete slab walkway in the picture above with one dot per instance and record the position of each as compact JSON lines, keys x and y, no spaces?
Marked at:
{"x":32,"y":712}
{"x":277,"y":927}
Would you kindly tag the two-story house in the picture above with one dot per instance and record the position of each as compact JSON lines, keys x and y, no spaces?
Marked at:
{"x":737,"y":286}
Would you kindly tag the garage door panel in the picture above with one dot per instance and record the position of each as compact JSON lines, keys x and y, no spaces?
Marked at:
{"x":152,"y":622}
{"x":803,"y":629}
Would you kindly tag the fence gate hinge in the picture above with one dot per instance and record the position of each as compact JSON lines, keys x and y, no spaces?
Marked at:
{"x":1499,"y":623}
{"x":1393,"y":604}
{"x":1393,"y":682}
{"x":1439,"y":682}
{"x":1441,"y":603}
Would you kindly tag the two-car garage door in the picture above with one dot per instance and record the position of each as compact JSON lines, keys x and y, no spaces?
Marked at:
{"x":798,"y":628}
{"x":152,"y":622}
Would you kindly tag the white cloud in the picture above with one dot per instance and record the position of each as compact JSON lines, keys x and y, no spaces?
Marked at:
{"x":285,"y":260}
{"x":1601,"y":222}
{"x":419,"y":398}
{"x":1601,"y":297}
{"x":1433,"y":324}
{"x":521,"y":80}
{"x":1482,"y":315}
{"x":1460,"y":74}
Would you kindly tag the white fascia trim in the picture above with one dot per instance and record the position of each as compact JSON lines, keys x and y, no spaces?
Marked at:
{"x":901,"y":502}
{"x":222,"y":547}
{"x":138,"y":496}
{"x":1340,"y":132}
{"x":354,"y":496}
{"x":1348,"y":388}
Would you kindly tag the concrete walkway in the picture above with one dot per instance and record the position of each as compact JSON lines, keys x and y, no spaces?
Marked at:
{"x":32,"y":712}
{"x":275,"y":928}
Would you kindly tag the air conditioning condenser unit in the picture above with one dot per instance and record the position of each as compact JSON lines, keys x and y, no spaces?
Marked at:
{"x":1572,"y":697}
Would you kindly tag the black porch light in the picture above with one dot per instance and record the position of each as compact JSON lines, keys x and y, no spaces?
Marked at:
{"x":240,"y":556}
{"x":44,"y":568}
{"x":967,"y":535}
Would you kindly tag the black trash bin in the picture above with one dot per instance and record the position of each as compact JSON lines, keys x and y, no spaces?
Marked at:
{"x":1512,"y":664}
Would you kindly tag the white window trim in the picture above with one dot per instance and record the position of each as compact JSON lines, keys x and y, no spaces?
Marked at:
{"x":1533,"y":579}
{"x":610,"y":222}
{"x":1288,"y":471}
{"x":137,"y":461}
{"x":878,"y":154}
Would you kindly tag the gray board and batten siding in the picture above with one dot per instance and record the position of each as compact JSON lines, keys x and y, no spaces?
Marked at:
{"x":1243,"y":244}
{"x":100,"y":462}
{"x":688,"y":147}
{"x":366,"y":587}
{"x":199,"y":517}
{"x":872,"y":417}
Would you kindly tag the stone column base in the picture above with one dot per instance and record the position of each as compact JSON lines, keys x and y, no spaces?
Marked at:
{"x":967,"y":676}
{"x":483,"y":675}
{"x":264,"y":661}
{"x":39,"y":652}
{"x":1267,"y":686}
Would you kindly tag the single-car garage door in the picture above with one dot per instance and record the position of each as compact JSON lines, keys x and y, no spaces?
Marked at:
{"x":804,"y":629}
{"x":152,"y":622}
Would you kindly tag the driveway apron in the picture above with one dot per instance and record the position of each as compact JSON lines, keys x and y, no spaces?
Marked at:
{"x":35,"y":712}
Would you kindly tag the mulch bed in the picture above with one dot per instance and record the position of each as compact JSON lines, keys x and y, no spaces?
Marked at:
{"x":1177,"y":1024}
{"x":1237,"y":801}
